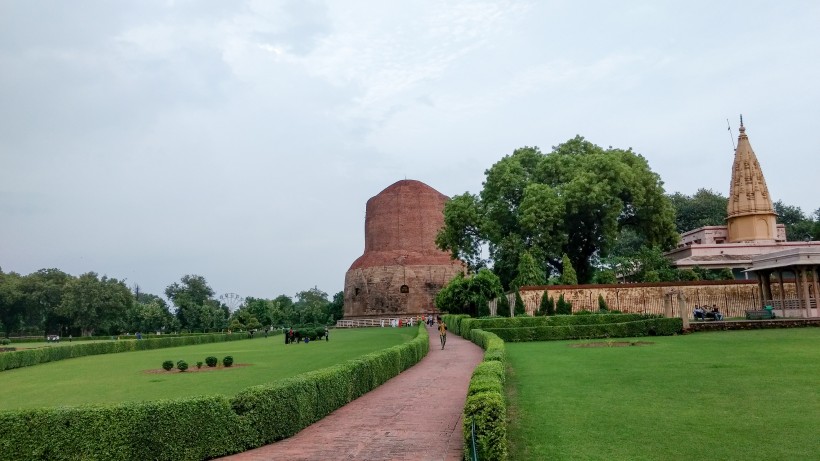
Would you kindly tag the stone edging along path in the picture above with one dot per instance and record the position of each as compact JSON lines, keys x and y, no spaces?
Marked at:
{"x":414,"y":416}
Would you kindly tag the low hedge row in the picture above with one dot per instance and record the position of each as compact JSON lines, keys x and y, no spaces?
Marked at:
{"x":650,"y":327}
{"x":28,"y":357}
{"x":486,"y":405}
{"x":465,"y":325}
{"x":201,"y":427}
{"x":453,"y":322}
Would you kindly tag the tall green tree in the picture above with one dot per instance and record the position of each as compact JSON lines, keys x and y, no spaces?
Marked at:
{"x":469,"y":294}
{"x":530,"y":273}
{"x":568,"y":275}
{"x":704,"y":208}
{"x":96,"y":304}
{"x":189,"y":296}
{"x":574,"y":200}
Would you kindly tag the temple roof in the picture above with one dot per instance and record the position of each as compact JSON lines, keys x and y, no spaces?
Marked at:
{"x":748,"y":193}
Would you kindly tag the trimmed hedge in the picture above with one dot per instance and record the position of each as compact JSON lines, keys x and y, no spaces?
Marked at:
{"x":486,"y":405}
{"x":650,"y":327}
{"x":453,"y":322}
{"x":201,"y":427}
{"x":467,"y":324}
{"x":25,"y":358}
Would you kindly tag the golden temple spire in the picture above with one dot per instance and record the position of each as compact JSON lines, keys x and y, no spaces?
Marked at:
{"x":751,"y":216}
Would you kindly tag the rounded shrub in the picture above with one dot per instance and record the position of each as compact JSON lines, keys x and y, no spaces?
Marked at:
{"x":211,"y":361}
{"x":227,"y":361}
{"x":182,"y":365}
{"x":198,"y":365}
{"x":167,"y":365}
{"x":5,"y":342}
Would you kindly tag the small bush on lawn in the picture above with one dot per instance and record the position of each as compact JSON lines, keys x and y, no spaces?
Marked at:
{"x":227,"y":361}
{"x":211,"y":361}
{"x":182,"y":365}
{"x":167,"y":365}
{"x":198,"y":365}
{"x":5,"y":342}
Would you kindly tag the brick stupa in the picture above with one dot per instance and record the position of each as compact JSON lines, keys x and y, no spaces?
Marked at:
{"x":401,"y":269}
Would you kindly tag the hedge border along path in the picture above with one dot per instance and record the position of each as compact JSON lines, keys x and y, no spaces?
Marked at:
{"x":200,"y":427}
{"x":415,"y":416}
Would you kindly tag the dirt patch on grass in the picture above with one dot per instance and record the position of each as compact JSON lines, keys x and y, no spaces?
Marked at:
{"x":613,"y":344}
{"x":193,"y":369}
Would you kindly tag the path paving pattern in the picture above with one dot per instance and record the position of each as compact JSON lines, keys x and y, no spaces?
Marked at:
{"x":414,"y":416}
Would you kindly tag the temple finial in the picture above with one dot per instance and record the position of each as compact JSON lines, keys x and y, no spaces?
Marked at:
{"x":742,"y":128}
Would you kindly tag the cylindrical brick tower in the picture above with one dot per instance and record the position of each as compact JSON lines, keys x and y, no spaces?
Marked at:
{"x":401,"y":269}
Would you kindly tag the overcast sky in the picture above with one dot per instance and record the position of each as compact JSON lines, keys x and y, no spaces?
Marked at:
{"x":146,"y":140}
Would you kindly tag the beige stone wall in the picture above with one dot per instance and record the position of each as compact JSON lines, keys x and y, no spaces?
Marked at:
{"x":733,"y":298}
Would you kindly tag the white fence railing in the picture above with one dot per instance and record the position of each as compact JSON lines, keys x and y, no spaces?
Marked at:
{"x":380,"y":322}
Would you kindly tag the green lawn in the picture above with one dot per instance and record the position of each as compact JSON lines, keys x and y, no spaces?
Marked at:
{"x":120,"y":377}
{"x":723,"y":395}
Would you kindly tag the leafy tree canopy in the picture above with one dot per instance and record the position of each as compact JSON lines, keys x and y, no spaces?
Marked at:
{"x":574,"y":200}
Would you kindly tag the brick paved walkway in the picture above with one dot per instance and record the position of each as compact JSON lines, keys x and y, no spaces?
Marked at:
{"x":414,"y":416}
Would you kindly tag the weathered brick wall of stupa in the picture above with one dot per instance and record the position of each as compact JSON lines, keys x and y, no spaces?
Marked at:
{"x":401,"y":269}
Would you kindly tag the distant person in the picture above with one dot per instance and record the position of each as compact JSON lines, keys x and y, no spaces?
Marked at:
{"x":327,"y":333}
{"x":700,"y":314}
{"x":442,"y":332}
{"x":716,"y":313}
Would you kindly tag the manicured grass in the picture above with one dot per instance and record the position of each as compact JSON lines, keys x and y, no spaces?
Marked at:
{"x":721,"y":395}
{"x":120,"y":377}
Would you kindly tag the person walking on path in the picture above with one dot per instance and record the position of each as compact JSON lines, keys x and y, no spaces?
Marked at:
{"x":442,"y":332}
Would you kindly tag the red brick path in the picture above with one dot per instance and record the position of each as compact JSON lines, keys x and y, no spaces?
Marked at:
{"x":414,"y":416}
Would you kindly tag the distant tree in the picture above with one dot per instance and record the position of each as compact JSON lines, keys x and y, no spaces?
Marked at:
{"x":574,"y":200}
{"x":336,"y":308}
{"x":798,"y":225}
{"x":705,"y":208}
{"x":606,"y":277}
{"x":563,"y":307}
{"x":520,"y":309}
{"x":189,"y":297}
{"x":530,"y":273}
{"x":93,"y":303}
{"x":602,"y":306}
{"x":568,"y":276}
{"x":469,"y":294}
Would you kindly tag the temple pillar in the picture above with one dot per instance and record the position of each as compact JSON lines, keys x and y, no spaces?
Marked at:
{"x":760,"y":288}
{"x":782,"y":291}
{"x":804,"y":281}
{"x":684,"y":312}
{"x":667,"y":305}
{"x":767,"y":285}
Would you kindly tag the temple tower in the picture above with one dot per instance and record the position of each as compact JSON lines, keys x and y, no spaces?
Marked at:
{"x":751,"y":216}
{"x":401,"y":269}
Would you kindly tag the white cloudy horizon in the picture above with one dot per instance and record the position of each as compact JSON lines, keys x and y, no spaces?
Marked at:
{"x":240,"y":140}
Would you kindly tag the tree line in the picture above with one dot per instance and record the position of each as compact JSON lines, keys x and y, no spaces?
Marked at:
{"x":577,"y":214}
{"x":50,"y":301}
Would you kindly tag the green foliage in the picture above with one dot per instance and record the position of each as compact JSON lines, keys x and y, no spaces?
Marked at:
{"x":211,"y":361}
{"x":182,"y":365}
{"x":547,"y":305}
{"x":469,"y":294}
{"x":574,"y":200}
{"x":602,"y":306}
{"x":726,"y":274}
{"x":199,"y":365}
{"x":648,"y":327}
{"x":5,"y":342}
{"x":568,"y":276}
{"x":519,"y":308}
{"x":503,"y":305}
{"x":704,"y":208}
{"x":606,"y":277}
{"x":486,"y":405}
{"x":167,"y":365}
{"x":688,"y":275}
{"x":529,"y":272}
{"x":467,"y":325}
{"x":454,"y":322}
{"x":563,"y":307}
{"x":227,"y":360}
